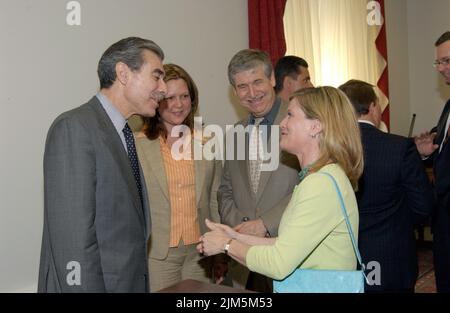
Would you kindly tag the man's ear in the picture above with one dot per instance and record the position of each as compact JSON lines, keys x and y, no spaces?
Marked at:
{"x":122,"y":72}
{"x":234,"y":90}
{"x":286,"y":81}
{"x":371,"y":113}
{"x":375,"y":113}
{"x":272,"y":79}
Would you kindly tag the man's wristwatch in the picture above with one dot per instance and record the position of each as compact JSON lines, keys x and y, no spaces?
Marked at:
{"x":227,"y":246}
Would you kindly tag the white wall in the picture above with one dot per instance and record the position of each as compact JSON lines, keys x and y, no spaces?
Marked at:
{"x":412,"y":27}
{"x":48,"y":67}
{"x":397,"y":41}
{"x":427,"y":20}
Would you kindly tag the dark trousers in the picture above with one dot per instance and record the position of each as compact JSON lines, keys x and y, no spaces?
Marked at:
{"x":441,"y":256}
{"x":441,"y":249}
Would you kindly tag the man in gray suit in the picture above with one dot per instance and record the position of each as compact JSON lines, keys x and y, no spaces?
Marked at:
{"x":96,"y":213}
{"x":252,"y":200}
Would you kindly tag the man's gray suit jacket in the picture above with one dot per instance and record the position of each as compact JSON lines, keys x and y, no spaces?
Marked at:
{"x":95,"y":229}
{"x":237,"y":201}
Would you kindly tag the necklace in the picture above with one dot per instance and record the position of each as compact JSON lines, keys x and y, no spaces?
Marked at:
{"x":304,"y":172}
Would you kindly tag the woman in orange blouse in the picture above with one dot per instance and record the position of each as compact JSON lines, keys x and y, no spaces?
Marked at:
{"x":182,"y":192}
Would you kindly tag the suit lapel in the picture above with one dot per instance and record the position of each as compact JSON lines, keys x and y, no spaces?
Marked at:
{"x":265,"y":176}
{"x":114,"y":144}
{"x":263,"y":179}
{"x":146,"y":203}
{"x":440,"y":131}
{"x":243,"y":165}
{"x":441,"y":125}
{"x":199,"y":168}
{"x":152,"y":151}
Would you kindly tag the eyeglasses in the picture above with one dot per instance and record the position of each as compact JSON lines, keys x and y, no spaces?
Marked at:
{"x":444,"y":61}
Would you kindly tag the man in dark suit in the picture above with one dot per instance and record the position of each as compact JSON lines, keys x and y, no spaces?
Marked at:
{"x":394,"y":194}
{"x":435,"y":146}
{"x":96,"y":214}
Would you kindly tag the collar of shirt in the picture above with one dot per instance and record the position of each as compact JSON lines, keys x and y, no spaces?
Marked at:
{"x":366,"y":122}
{"x":114,"y":115}
{"x":269,"y":118}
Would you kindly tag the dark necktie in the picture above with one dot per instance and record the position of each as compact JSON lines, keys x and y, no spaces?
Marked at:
{"x":132,"y":155}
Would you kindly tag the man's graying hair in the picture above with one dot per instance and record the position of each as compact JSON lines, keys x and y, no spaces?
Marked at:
{"x":129,"y":51}
{"x":248,"y":59}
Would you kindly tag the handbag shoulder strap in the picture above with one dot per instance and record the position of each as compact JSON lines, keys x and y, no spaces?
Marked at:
{"x":347,"y":221}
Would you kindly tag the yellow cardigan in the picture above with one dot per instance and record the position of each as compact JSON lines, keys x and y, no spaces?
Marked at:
{"x":312,"y":232}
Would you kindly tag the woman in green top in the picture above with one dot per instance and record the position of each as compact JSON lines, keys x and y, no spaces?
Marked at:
{"x":322,"y":131}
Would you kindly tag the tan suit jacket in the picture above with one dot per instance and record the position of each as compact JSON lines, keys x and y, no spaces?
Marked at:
{"x":207,"y":180}
{"x":237,"y":200}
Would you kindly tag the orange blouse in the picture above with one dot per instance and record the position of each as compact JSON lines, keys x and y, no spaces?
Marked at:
{"x":181,"y":186}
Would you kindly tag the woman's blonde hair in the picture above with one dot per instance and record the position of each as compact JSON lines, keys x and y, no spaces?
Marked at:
{"x":340,"y":139}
